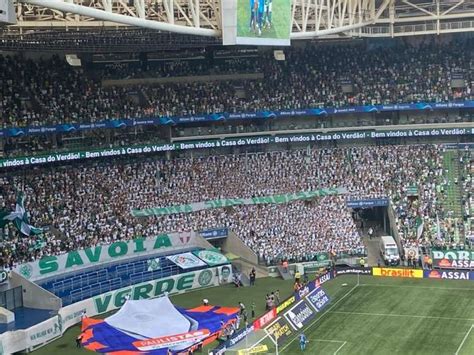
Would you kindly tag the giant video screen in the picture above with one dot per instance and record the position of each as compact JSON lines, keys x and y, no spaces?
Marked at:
{"x":263,"y":22}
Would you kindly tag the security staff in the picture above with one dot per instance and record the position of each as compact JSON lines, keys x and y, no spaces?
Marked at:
{"x":297,"y":276}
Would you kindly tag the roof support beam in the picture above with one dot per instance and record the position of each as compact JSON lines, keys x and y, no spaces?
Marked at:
{"x":123,"y":19}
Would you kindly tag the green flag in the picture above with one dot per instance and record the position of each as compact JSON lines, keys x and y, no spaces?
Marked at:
{"x":19,"y":218}
{"x":419,"y":223}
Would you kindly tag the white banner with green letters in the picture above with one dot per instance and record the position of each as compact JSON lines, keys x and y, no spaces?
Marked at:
{"x":228,"y":202}
{"x":58,"y":264}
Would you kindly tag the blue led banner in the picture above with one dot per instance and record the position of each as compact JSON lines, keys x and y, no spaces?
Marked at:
{"x":214,"y":233}
{"x":372,"y":202}
{"x":65,"y":128}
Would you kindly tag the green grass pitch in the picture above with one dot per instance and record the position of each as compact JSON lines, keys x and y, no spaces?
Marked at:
{"x":392,"y":316}
{"x":378,"y":316}
{"x":281,"y":17}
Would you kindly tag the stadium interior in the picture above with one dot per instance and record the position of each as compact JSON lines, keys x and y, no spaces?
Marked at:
{"x":234,"y":159}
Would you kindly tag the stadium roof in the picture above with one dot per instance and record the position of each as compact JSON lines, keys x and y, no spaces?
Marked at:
{"x":198,"y":22}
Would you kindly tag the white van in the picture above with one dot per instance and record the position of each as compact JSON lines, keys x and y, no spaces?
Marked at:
{"x":389,"y":250}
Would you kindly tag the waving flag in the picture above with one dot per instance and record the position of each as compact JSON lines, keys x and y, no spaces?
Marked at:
{"x":19,"y":218}
{"x":419,"y":223}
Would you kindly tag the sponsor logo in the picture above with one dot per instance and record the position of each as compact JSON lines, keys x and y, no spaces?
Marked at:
{"x":318,"y":299}
{"x":367,"y":203}
{"x":455,"y":259}
{"x":449,"y":275}
{"x":362,"y":271}
{"x":444,"y":263}
{"x":171,"y":340}
{"x":299,"y":315}
{"x":240,"y":335}
{"x":434,"y":274}
{"x":312,"y":285}
{"x":285,"y":304}
{"x":302,"y":292}
{"x":255,"y":350}
{"x":322,"y":279}
{"x":214,"y":233}
{"x":392,"y":272}
{"x":265,"y":319}
{"x":280,"y":330}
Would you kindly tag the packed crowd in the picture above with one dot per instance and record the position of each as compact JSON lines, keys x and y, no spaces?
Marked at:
{"x":466,"y":163}
{"x":180,"y":67}
{"x":51,"y":92}
{"x":91,"y":204}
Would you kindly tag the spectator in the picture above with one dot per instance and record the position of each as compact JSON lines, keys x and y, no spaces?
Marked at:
{"x":78,"y":341}
{"x":89,"y":204}
{"x":308,"y":78}
{"x":252,"y":277}
{"x":242,"y":308}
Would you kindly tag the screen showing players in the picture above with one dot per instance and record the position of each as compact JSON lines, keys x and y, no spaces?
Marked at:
{"x":263,"y":22}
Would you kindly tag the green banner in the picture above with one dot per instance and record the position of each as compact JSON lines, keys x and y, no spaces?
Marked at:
{"x":234,"y":141}
{"x":322,"y":260}
{"x":322,"y":257}
{"x":211,"y":257}
{"x":199,"y":206}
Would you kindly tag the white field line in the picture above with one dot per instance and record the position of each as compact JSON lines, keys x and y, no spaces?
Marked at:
{"x":425,"y":287}
{"x":331,"y":341}
{"x":328,"y":340}
{"x":339,"y":348}
{"x":464,"y":340}
{"x":317,"y":319}
{"x":399,"y":315}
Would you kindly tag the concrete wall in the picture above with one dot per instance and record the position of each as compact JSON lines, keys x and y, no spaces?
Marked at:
{"x":233,"y":244}
{"x":201,"y":242}
{"x":245,"y":267}
{"x":35,"y":296}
